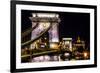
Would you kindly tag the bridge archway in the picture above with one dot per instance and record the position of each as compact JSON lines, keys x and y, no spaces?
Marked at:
{"x":44,"y":21}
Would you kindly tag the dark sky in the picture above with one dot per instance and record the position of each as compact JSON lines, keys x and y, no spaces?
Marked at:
{"x":71,"y":25}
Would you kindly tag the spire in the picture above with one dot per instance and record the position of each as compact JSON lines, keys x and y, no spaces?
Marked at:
{"x":78,"y":40}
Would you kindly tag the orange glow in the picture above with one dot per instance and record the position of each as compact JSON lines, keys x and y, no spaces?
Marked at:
{"x":54,"y":46}
{"x":85,"y":54}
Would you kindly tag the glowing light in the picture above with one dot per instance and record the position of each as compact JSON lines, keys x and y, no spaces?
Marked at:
{"x":67,"y":42}
{"x":45,"y":43}
{"x":85,"y":54}
{"x":45,"y":38}
{"x":44,"y":25}
{"x":67,"y":38}
{"x":78,"y":40}
{"x":57,"y":15}
{"x":54,"y":45}
{"x":47,"y":15}
{"x":55,"y":39}
{"x":34,"y":15}
{"x":66,"y":54}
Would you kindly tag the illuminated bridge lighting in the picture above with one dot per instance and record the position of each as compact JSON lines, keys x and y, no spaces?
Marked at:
{"x":50,"y":15}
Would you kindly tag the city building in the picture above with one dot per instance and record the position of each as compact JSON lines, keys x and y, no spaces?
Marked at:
{"x":67,"y":43}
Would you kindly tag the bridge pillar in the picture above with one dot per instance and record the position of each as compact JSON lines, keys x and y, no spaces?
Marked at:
{"x":44,"y":19}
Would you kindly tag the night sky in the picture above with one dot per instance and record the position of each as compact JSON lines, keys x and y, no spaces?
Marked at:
{"x":71,"y":25}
